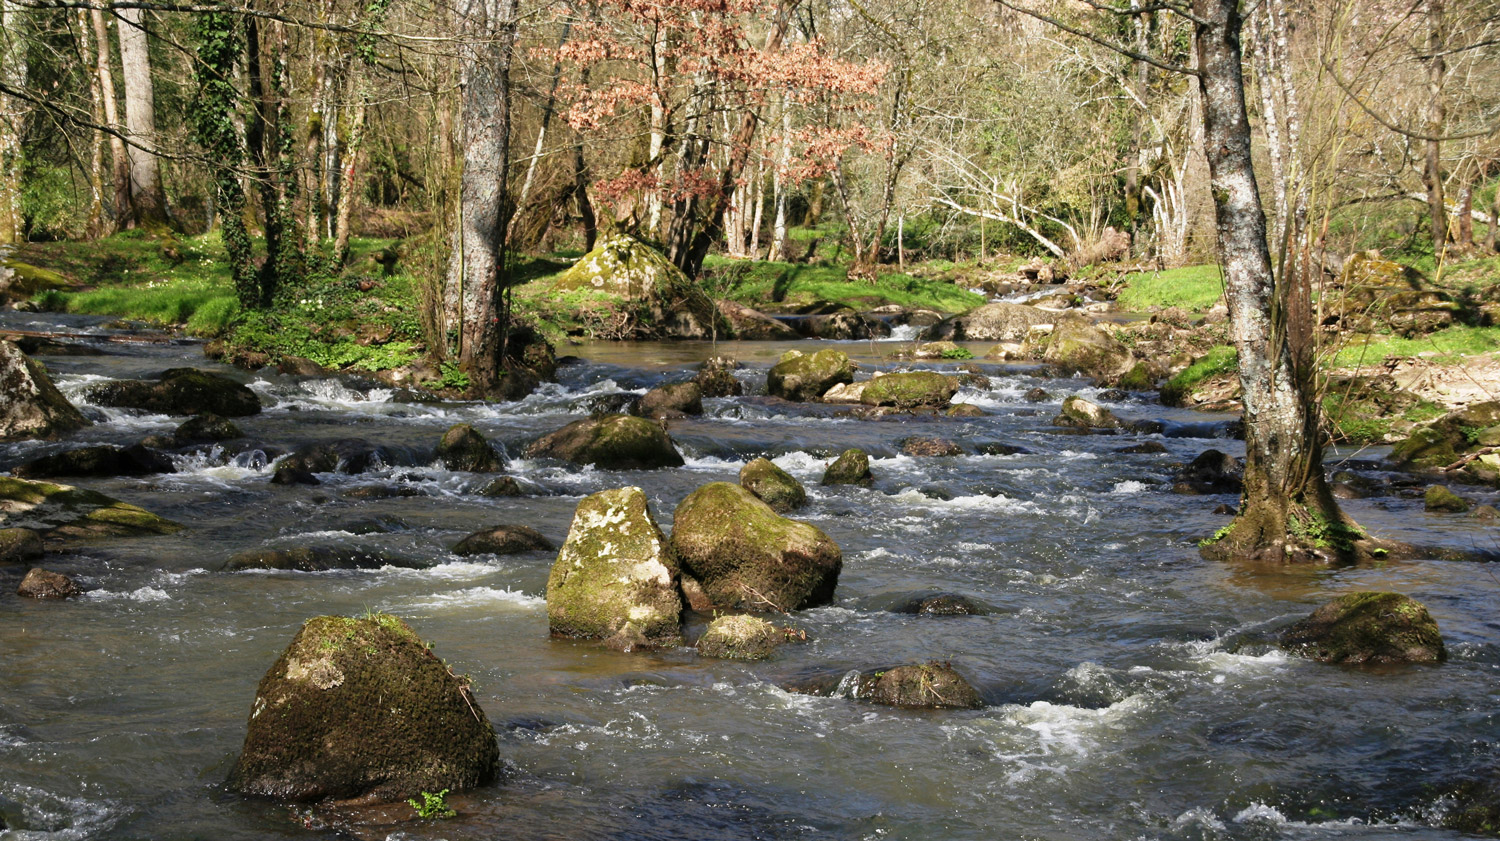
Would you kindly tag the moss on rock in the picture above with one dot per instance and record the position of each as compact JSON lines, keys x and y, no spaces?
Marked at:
{"x":774,"y":486}
{"x":1368,"y":628}
{"x":63,"y":511}
{"x":910,"y":390}
{"x":804,"y":377}
{"x":852,"y":467}
{"x":19,"y":545}
{"x":180,"y":391}
{"x":740,"y":638}
{"x":463,"y":448}
{"x":612,"y":442}
{"x":934,"y":685}
{"x":642,"y":289}
{"x":1439,"y":498}
{"x":615,"y":577}
{"x":1076,"y":411}
{"x":747,"y":556}
{"x":671,"y":400}
{"x":361,"y":708}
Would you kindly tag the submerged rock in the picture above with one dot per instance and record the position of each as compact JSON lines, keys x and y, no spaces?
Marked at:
{"x":615,"y":579}
{"x":63,"y":511}
{"x":1076,"y":411}
{"x":99,"y":461}
{"x":30,"y":405}
{"x":942,"y":604}
{"x":852,"y":467}
{"x":612,"y":442}
{"x":346,"y":455}
{"x":804,"y":377}
{"x":740,"y":638}
{"x":1212,"y":472}
{"x":1368,"y":628}
{"x":746,"y":556}
{"x":964,"y":410}
{"x":910,"y":390}
{"x":316,"y":559}
{"x":504,"y":540}
{"x":671,"y":400}
{"x":933,"y":686}
{"x":715,"y":378}
{"x":295,"y":476}
{"x":42,"y":584}
{"x":362,"y":708}
{"x":1439,"y":498}
{"x":206,"y":427}
{"x":502,"y":487}
{"x":930,"y":447}
{"x":179,"y":391}
{"x":463,"y":448}
{"x":772,"y":485}
{"x":19,"y":545}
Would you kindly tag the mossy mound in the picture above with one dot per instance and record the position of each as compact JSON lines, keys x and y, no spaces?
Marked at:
{"x":63,"y":511}
{"x":615,"y":578}
{"x":362,"y":708}
{"x":316,"y":559}
{"x":933,"y":686}
{"x":740,"y":638}
{"x":179,"y":391}
{"x":1368,"y":628}
{"x":671,"y":400}
{"x":910,"y":390}
{"x":805,"y":377}
{"x":19,"y":545}
{"x":504,"y":540}
{"x":645,"y":296}
{"x":463,"y":448}
{"x":1078,"y":344}
{"x":30,"y":405}
{"x":852,"y":467}
{"x":772,"y":485}
{"x":746,"y":556}
{"x":1078,"y":412}
{"x":19,"y":281}
{"x":1439,"y":498}
{"x":612,"y":442}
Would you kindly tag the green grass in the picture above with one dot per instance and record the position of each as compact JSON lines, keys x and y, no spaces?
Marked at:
{"x":1446,"y":347}
{"x":1193,"y":288}
{"x":782,"y":287}
{"x":1218,"y":360}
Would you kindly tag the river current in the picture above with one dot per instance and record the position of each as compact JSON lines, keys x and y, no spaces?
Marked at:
{"x":1131,"y":686}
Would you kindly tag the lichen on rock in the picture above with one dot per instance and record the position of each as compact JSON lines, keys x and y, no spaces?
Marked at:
{"x":804,"y":377}
{"x":612,"y":442}
{"x":774,"y":486}
{"x":740,"y":637}
{"x":62,"y":511}
{"x":1368,"y":627}
{"x":30,"y":405}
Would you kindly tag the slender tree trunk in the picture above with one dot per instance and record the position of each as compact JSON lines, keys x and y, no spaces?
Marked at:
{"x":586,"y":216}
{"x":1432,"y":169}
{"x":656,"y":164}
{"x":1492,"y":236}
{"x":1465,"y":238}
{"x":148,"y":201}
{"x":351,"y":143}
{"x":758,"y":202}
{"x":221,"y":45}
{"x":87,"y":52}
{"x":779,"y":186}
{"x":119,"y":158}
{"x":12,"y":114}
{"x":1285,"y":493}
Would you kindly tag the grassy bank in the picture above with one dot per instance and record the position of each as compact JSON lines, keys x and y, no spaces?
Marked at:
{"x":1192,"y":288}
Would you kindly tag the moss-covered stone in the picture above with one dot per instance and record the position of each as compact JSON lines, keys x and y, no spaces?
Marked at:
{"x":852,"y":467}
{"x":463,"y":448}
{"x":1138,"y":378}
{"x":615,"y":577}
{"x":97,"y":461}
{"x":19,"y":281}
{"x":1368,"y":628}
{"x":910,"y":390}
{"x":611,"y":442}
{"x":772,"y":485}
{"x":361,"y":708}
{"x":1078,"y":344}
{"x":206,"y":427}
{"x":936,"y":686}
{"x":1076,"y":411}
{"x":964,"y":410}
{"x":504,"y":540}
{"x":44,"y":584}
{"x":30,"y":405}
{"x":1439,"y":498}
{"x":19,"y":545}
{"x":63,"y":511}
{"x":316,"y":559}
{"x":179,"y":391}
{"x":671,"y":400}
{"x":1442,"y":441}
{"x":804,"y":377}
{"x":746,"y":556}
{"x":651,"y":296}
{"x":740,"y":638}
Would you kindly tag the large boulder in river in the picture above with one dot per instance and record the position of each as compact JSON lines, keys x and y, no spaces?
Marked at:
{"x":1441,"y":442}
{"x":19,"y":545}
{"x":1079,"y":412}
{"x":740,"y":637}
{"x":30,"y":405}
{"x":671,"y":400}
{"x":179,"y":391}
{"x":935,"y":686}
{"x":747,"y":324}
{"x":97,"y":461}
{"x":910,"y":390}
{"x":345,"y":455}
{"x":45,"y":584}
{"x":1077,"y":343}
{"x":746,"y":556}
{"x":803,"y":377}
{"x":852,"y":467}
{"x":362,"y":708}
{"x":1368,"y":628}
{"x":612,"y":442}
{"x":615,"y":578}
{"x":504,"y":540}
{"x":654,"y":297}
{"x":463,"y":448}
{"x":316,"y":559}
{"x":62,"y":511}
{"x":999,"y":322}
{"x":772,"y":485}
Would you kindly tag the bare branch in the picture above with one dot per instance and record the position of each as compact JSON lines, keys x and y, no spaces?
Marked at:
{"x":1103,"y":42}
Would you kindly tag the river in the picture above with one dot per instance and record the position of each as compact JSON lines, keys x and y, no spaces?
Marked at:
{"x":1132,"y":691}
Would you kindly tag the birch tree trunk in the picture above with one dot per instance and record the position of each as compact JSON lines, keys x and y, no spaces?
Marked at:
{"x":148,"y":201}
{"x":1432,"y":168}
{"x":87,"y":50}
{"x":12,"y":115}
{"x":779,"y":186}
{"x":119,"y":159}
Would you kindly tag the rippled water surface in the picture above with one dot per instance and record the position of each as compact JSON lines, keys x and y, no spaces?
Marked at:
{"x":1131,"y":690}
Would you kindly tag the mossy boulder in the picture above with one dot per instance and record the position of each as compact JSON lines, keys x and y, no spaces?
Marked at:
{"x":97,"y":461}
{"x":463,"y":448}
{"x":942,"y":604}
{"x":504,"y":540}
{"x":1376,"y":294}
{"x":999,"y":322}
{"x":746,"y":556}
{"x":772,"y":485}
{"x":44,"y":584}
{"x":615,"y":578}
{"x":65,"y":512}
{"x":611,"y":442}
{"x":1079,"y":412}
{"x":671,"y":400}
{"x":1140,"y":377}
{"x":206,"y":427}
{"x":852,"y":467}
{"x":740,"y":638}
{"x":179,"y":391}
{"x":910,"y":390}
{"x":933,"y":686}
{"x":362,"y":708}
{"x":20,"y":281}
{"x":1368,"y":628}
{"x":650,"y":297}
{"x":316,"y":559}
{"x":715,"y":378}
{"x":1078,"y":344}
{"x":1438,"y":498}
{"x":30,"y":405}
{"x":1441,"y":442}
{"x":19,"y":545}
{"x":805,"y":377}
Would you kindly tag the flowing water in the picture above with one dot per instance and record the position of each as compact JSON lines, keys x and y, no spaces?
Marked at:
{"x":1131,"y":689}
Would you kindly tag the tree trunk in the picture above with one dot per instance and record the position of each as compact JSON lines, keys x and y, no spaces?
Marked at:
{"x":476,"y":275}
{"x":148,"y":201}
{"x":270,"y":137}
{"x":1287,"y":512}
{"x":87,"y":52}
{"x":12,"y":114}
{"x":1432,"y":169}
{"x":779,"y":186}
{"x":220,"y":47}
{"x":351,"y":143}
{"x":119,"y":158}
